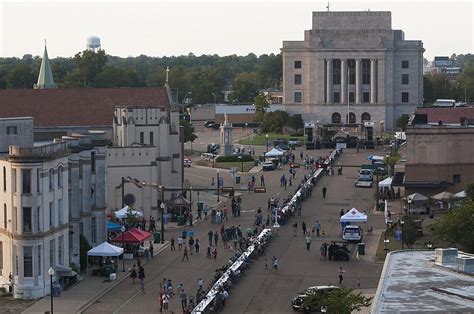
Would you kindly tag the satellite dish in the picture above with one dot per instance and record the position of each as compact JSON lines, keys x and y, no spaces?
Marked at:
{"x":129,"y":199}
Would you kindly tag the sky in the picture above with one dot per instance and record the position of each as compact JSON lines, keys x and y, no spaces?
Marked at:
{"x":224,"y":27}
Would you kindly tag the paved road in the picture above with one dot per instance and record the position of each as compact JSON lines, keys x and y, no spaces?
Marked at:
{"x":259,"y":290}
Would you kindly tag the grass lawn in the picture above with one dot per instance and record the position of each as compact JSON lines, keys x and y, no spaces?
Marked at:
{"x":395,"y":245}
{"x":260,"y":139}
{"x":227,"y":165}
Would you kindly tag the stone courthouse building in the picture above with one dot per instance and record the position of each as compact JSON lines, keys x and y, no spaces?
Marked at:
{"x":356,"y":62}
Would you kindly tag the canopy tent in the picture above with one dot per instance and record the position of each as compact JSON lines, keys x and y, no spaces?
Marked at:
{"x":112,"y":226}
{"x":274,"y":153}
{"x":105,"y":249}
{"x":443,"y":196}
{"x":123,"y":213}
{"x":385,"y":183}
{"x":416,"y":197}
{"x":461,"y":194}
{"x":133,"y":236}
{"x":373,"y":158}
{"x":354,"y":216}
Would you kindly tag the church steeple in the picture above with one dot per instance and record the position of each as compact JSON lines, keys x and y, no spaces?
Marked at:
{"x":45,"y":77}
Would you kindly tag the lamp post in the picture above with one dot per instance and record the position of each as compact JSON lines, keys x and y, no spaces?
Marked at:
{"x":51,"y":274}
{"x":218,"y":186}
{"x":241,"y":163}
{"x":123,"y":246}
{"x":214,"y":94}
{"x":402,"y":223}
{"x":409,"y":205}
{"x":162,"y":206}
{"x":266,"y":141}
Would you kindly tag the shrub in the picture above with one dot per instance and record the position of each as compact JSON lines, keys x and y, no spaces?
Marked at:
{"x":233,"y":158}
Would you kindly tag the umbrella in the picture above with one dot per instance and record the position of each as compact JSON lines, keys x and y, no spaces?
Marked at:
{"x":416,"y":197}
{"x":461,"y":194}
{"x":443,"y":196}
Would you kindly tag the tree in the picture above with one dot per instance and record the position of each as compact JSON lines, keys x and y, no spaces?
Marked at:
{"x":340,"y":301}
{"x":295,"y":122}
{"x":456,"y":228}
{"x":245,"y":87}
{"x":261,"y":104}
{"x":410,"y":228}
{"x":402,"y":122}
{"x":89,"y":64}
{"x":274,"y":121}
{"x":84,"y":247}
{"x":189,"y":135}
{"x":21,"y":76}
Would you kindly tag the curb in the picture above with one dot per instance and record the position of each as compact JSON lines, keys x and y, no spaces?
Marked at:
{"x":117,"y":282}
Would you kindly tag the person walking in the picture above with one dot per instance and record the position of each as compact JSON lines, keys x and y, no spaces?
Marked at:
{"x":185,"y":254}
{"x":191,"y":245}
{"x":295,"y":228}
{"x":341,"y":213}
{"x":214,"y":252}
{"x":200,"y":283}
{"x":210,"y":234}
{"x":317,"y":226}
{"x":180,"y":242}
{"x":205,"y":210}
{"x":325,"y":190}
{"x":341,"y":275}
{"x":199,"y":216}
{"x":322,"y":257}
{"x":308,"y":242}
{"x":173,"y":248}
{"x":225,"y":210}
{"x":133,"y":273}
{"x":141,"y":276}
{"x":262,"y":180}
{"x":275,"y":262}
{"x":151,"y":249}
{"x":216,"y":238}
{"x":166,"y":301}
{"x":197,"y":245}
{"x":184,"y":300}
{"x":303,"y":227}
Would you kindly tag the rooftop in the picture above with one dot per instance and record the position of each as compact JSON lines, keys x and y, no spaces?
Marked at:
{"x":69,"y":107}
{"x":447,"y":115}
{"x":411,"y":281}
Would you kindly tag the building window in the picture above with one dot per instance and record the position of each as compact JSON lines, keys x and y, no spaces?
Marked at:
{"x":60,"y":250}
{"x":52,"y":247}
{"x":5,"y":216}
{"x":365,"y":117}
{"x":51,"y":214}
{"x":60,"y":176}
{"x":38,"y":180}
{"x":38,"y":219}
{"x":11,"y":130}
{"x":14,"y":180}
{"x":40,"y":249}
{"x":337,"y":97}
{"x":4,"y":179}
{"x":405,"y":79}
{"x":405,"y":64}
{"x":27,"y":223}
{"x":297,"y":97}
{"x":336,"y":72}
{"x":26,"y":181}
{"x":352,"y":117}
{"x":351,"y":65}
{"x":93,"y":162}
{"x":51,"y":179}
{"x":151,"y":138}
{"x":297,"y":64}
{"x":28,"y":261}
{"x":60,"y":211}
{"x":351,"y":97}
{"x":405,"y":97}
{"x":93,"y":230}
{"x":14,"y":219}
{"x":297,"y":79}
{"x":365,"y":97}
{"x":456,"y":178}
{"x":142,"y":137}
{"x":365,"y":71}
{"x":336,"y":118}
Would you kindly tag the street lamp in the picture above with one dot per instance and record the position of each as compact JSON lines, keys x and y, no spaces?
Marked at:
{"x":266,"y":141}
{"x":51,"y":274}
{"x":241,"y":163}
{"x":402,"y":223}
{"x":214,"y":94}
{"x":123,"y":246}
{"x":162,"y":206}
{"x":218,"y":185}
{"x":409,"y":205}
{"x":385,"y":242}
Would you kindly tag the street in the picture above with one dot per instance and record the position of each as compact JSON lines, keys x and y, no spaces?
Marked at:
{"x":261,"y":290}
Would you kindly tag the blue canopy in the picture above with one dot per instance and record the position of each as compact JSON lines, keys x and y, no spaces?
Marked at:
{"x":113,"y":226}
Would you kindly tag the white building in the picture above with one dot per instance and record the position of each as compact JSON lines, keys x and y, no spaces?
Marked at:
{"x":352,"y":67}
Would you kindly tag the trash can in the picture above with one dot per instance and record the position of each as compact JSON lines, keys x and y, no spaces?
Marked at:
{"x":200,"y":205}
{"x":361,"y":248}
{"x":237,"y":179}
{"x":181,"y":220}
{"x":157,"y":237}
{"x":382,"y":206}
{"x":56,"y":289}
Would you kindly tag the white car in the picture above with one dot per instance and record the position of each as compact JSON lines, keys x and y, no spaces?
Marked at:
{"x":187,"y":162}
{"x":352,"y":233}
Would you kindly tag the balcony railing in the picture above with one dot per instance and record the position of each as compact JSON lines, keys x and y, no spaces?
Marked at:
{"x":45,"y":151}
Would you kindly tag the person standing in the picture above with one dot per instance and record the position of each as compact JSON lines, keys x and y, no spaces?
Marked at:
{"x":308,"y":242}
{"x":200,"y":283}
{"x":262,"y":180}
{"x":210,"y":234}
{"x":141,"y":276}
{"x":173,"y":248}
{"x":317,"y":226}
{"x":321,"y":253}
{"x":180,"y":242}
{"x":341,"y":275}
{"x":214,"y":252}
{"x":303,"y":227}
{"x":275,"y":263}
{"x":216,"y":238}
{"x":133,"y":273}
{"x":185,"y":254}
{"x":341,"y":213}
{"x":199,"y":216}
{"x":295,"y":228}
{"x":197,"y":245}
{"x":166,"y":301}
{"x":191,"y":245}
{"x":225,"y":210}
{"x":184,"y":300}
{"x":325,"y":190}
{"x":151,"y":249}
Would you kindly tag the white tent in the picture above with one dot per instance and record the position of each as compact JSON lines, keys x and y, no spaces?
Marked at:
{"x":274,"y":153}
{"x":354,"y":216}
{"x":123,"y":213}
{"x":443,"y":196}
{"x":461,"y":194}
{"x":416,"y":197}
{"x":386,"y":183}
{"x":105,"y":249}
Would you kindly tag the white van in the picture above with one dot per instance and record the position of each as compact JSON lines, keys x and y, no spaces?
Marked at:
{"x":352,"y":233}
{"x":444,"y":103}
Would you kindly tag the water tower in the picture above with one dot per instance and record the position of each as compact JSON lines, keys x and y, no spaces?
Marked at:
{"x":93,"y":43}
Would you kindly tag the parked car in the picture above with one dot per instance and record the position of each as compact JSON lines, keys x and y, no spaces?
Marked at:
{"x":214,"y":126}
{"x":268,"y":166}
{"x":279,"y":141}
{"x":366,"y":173}
{"x":339,"y":252}
{"x":352,"y":233}
{"x":363,"y":182}
{"x":208,"y":123}
{"x":187,"y":162}
{"x":297,"y":302}
{"x":294,"y":142}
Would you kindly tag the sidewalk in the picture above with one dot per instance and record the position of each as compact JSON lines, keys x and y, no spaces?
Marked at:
{"x":371,"y":241}
{"x":86,"y":292}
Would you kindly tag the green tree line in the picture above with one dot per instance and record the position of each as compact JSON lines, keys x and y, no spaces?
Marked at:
{"x":196,"y":77}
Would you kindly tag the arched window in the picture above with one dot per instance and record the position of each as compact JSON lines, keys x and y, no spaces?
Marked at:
{"x":336,"y":118}
{"x":352,"y":117}
{"x":365,"y":117}
{"x":60,"y":176}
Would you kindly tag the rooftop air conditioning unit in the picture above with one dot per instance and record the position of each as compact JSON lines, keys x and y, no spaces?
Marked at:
{"x":465,"y":264}
{"x":446,"y":256}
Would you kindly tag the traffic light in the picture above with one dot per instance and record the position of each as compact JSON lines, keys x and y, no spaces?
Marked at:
{"x":260,"y":190}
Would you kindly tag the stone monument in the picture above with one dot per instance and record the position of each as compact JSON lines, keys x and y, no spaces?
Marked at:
{"x":226,"y":142}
